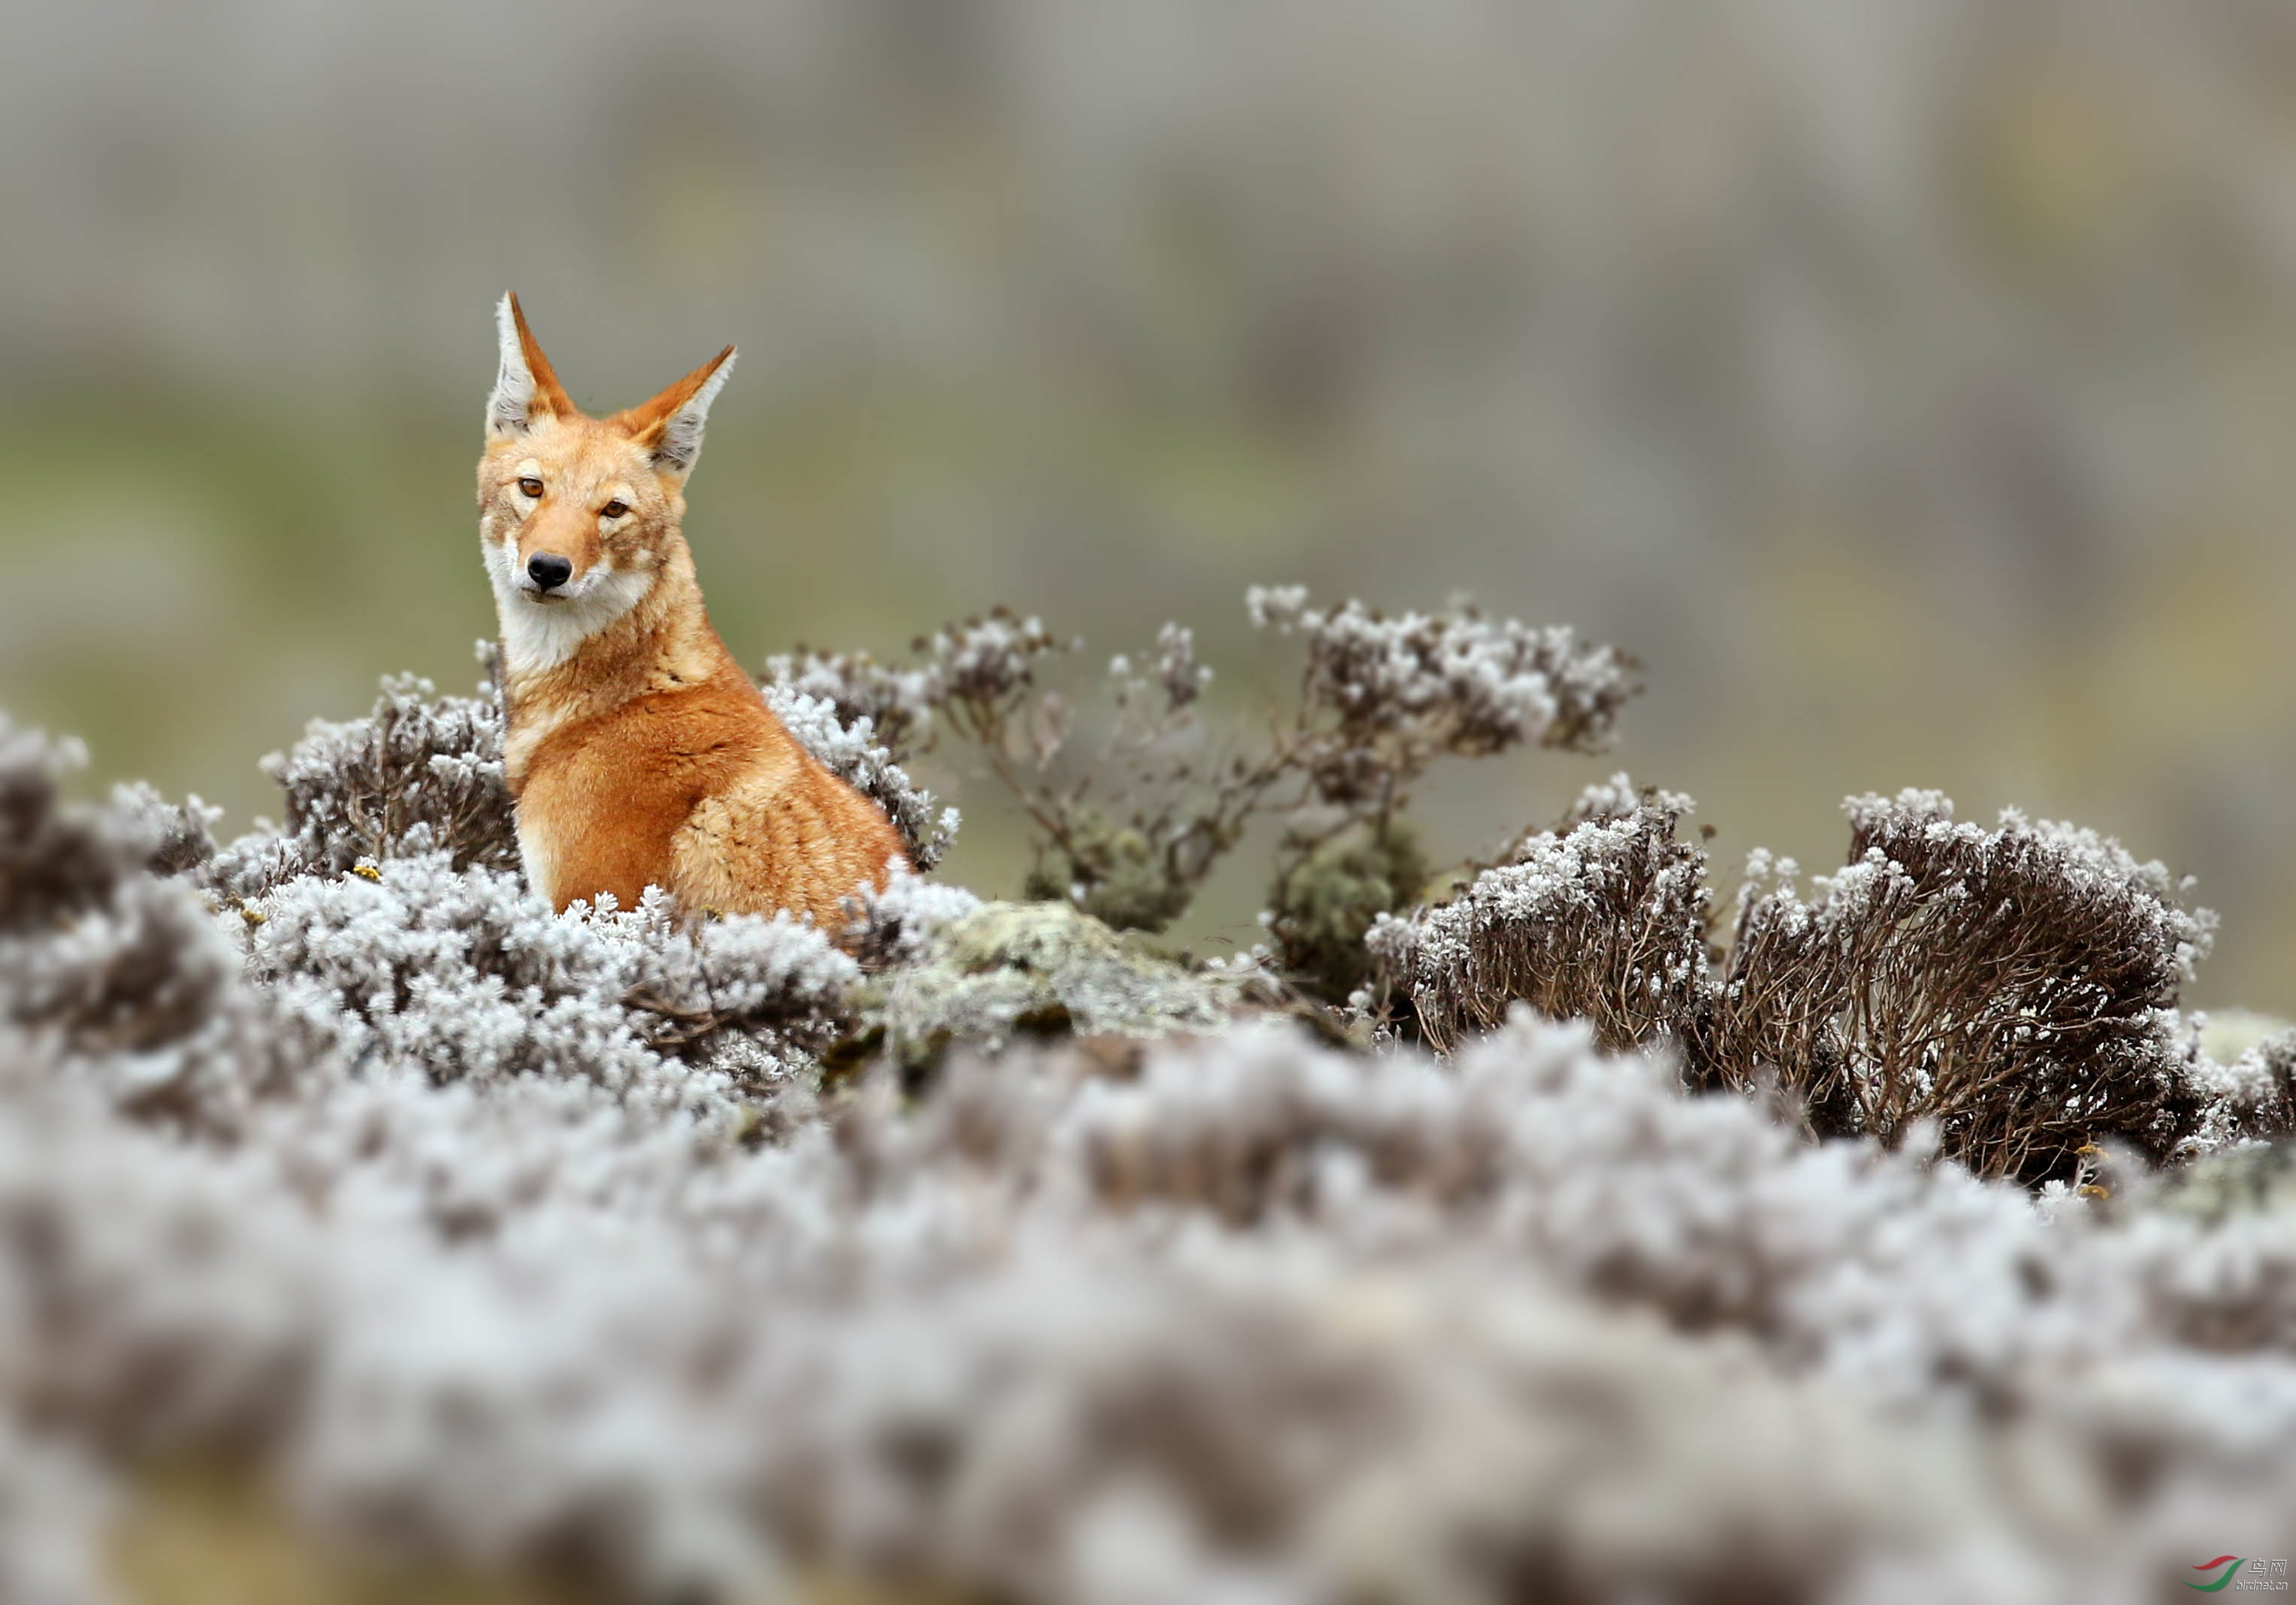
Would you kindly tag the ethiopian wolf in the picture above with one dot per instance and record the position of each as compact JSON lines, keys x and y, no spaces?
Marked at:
{"x":638,"y":752}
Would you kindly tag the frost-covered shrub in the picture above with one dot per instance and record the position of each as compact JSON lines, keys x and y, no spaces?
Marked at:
{"x":1207,"y":1424}
{"x":1385,"y":696}
{"x":463,"y":973}
{"x":503,"y":1269}
{"x":898,"y":703}
{"x":1131,"y":812}
{"x":966,"y":669}
{"x":1251,"y":1314}
{"x":2252,"y":1098}
{"x":111,"y":968}
{"x":166,"y":838}
{"x":2012,"y":986}
{"x":49,"y":863}
{"x":895,"y":925}
{"x":420,"y":773}
{"x":52,"y":1513}
{"x":503,"y":1235}
{"x":1604,"y":920}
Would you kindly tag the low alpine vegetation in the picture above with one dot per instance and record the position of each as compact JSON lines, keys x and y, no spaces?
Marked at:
{"x":2015,"y":989}
{"x":1133,"y":811}
{"x":1890,"y":1236}
{"x":1606,"y":919}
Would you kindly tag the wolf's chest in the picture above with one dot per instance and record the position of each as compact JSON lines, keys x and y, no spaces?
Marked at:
{"x":599,"y":805}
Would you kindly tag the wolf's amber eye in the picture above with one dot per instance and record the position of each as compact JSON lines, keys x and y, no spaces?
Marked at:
{"x":531,"y":486}
{"x":613,"y":510}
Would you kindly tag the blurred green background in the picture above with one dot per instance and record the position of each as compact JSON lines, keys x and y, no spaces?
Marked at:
{"x":1912,"y":387}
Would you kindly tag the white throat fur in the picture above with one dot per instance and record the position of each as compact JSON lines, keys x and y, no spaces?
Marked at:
{"x":539,"y":634}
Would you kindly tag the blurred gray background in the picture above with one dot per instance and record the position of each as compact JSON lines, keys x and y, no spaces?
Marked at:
{"x":1912,"y":386}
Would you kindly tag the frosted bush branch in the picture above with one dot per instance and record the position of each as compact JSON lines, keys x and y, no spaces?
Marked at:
{"x":1605,"y":921}
{"x":896,"y":703}
{"x":1385,"y":696}
{"x":113,"y":970}
{"x":2013,"y":988}
{"x":166,"y":838}
{"x":2252,"y":1099}
{"x":895,"y":926}
{"x":1131,"y":813}
{"x":1175,"y":666}
{"x":421,"y":772}
{"x":461,"y":972}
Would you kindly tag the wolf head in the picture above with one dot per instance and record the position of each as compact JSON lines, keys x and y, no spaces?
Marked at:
{"x":577,"y":516}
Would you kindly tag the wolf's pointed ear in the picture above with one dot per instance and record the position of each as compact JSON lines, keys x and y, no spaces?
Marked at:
{"x":669,"y":426}
{"x":526,"y":388}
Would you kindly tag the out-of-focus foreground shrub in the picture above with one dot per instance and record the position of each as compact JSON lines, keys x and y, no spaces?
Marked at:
{"x":433,"y":1234}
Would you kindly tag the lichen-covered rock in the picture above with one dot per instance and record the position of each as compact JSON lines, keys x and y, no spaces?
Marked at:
{"x":1010,"y":968}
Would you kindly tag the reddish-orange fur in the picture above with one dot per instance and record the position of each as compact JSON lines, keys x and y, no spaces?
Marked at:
{"x":638,"y":752}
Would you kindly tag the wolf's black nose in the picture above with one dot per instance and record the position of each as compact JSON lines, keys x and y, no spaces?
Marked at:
{"x":549,"y":570}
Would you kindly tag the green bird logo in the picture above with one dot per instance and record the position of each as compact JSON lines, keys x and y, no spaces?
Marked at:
{"x":2231,"y":1564}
